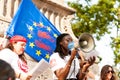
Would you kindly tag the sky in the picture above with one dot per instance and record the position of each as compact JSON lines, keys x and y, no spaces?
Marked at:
{"x":103,"y":46}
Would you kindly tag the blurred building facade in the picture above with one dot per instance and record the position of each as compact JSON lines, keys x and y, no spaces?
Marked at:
{"x":55,"y":10}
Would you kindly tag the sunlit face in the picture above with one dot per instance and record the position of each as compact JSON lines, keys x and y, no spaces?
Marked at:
{"x":109,"y":73}
{"x":19,"y":47}
{"x":65,"y":41}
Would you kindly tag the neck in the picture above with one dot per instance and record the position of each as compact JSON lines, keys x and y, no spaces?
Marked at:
{"x":107,"y":79}
{"x":65,"y":51}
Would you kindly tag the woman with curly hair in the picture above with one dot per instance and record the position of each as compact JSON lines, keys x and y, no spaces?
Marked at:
{"x":64,"y":63}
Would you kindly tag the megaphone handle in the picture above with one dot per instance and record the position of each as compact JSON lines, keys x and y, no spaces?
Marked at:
{"x":81,"y":56}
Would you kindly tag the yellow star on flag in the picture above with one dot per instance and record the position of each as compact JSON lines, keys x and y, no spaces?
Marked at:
{"x":38,"y":52}
{"x":41,"y":24}
{"x":30,"y":28}
{"x":29,"y":36}
{"x":55,"y":35}
{"x":49,"y":29}
{"x":34,"y":23}
{"x":32,"y":44}
{"x":47,"y":56}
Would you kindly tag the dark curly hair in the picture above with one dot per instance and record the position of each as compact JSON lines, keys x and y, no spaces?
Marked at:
{"x":58,"y":46}
{"x":6,"y":71}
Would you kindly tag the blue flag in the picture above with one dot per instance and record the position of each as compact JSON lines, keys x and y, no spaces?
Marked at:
{"x":40,"y":33}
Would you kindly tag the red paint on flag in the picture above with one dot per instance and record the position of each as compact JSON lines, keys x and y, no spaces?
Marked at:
{"x":43,"y":34}
{"x":41,"y":45}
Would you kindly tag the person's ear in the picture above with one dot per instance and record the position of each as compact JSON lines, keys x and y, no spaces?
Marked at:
{"x":61,"y":43}
{"x":14,"y":43}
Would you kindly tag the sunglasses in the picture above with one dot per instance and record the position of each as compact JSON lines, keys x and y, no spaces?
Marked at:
{"x":110,"y":71}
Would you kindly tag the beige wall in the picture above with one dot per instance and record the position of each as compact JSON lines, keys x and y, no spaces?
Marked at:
{"x":54,"y":10}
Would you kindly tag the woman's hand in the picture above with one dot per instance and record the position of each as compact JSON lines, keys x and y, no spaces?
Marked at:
{"x":73,"y":53}
{"x":86,"y":64}
{"x":25,"y":76}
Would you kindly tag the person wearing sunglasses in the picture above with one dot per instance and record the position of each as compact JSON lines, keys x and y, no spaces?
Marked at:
{"x":107,"y":73}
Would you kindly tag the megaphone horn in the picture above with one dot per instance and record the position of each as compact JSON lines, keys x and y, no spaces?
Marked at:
{"x":86,"y":42}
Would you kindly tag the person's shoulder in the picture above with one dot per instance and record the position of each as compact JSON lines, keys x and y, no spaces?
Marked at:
{"x":5,"y":54}
{"x":55,"y":55}
{"x":5,"y":50}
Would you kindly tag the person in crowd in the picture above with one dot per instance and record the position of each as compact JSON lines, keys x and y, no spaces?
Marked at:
{"x":6,"y":71}
{"x":107,"y":73}
{"x":65,"y":64}
{"x":1,"y":47}
{"x":14,"y":55}
{"x":3,"y":42}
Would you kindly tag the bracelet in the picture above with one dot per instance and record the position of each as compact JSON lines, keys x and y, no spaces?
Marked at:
{"x":19,"y":75}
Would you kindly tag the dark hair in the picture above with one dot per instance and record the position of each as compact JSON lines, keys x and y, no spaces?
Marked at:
{"x":6,"y":71}
{"x":58,"y":46}
{"x":104,"y":72}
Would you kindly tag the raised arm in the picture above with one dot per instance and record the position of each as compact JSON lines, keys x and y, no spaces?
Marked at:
{"x":62,"y":73}
{"x":84,"y":65}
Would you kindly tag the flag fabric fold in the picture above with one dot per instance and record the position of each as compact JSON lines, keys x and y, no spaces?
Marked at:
{"x":40,"y":33}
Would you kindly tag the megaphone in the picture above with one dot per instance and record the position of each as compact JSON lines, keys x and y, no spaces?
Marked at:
{"x":86,"y":42}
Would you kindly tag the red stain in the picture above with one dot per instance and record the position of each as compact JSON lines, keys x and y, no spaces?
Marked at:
{"x":53,"y":62}
{"x":43,"y":34}
{"x":42,"y":45}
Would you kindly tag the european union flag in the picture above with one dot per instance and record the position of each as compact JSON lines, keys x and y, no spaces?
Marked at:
{"x":36,"y":28}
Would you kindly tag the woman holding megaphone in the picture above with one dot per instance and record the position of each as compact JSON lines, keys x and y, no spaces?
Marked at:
{"x":65,"y":64}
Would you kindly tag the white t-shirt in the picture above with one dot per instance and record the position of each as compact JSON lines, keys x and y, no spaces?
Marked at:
{"x":57,"y":62}
{"x":12,"y":58}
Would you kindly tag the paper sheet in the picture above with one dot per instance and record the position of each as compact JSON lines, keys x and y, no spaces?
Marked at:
{"x":39,"y":68}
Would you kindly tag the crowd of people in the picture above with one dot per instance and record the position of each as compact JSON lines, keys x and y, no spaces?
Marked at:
{"x":64,"y":63}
